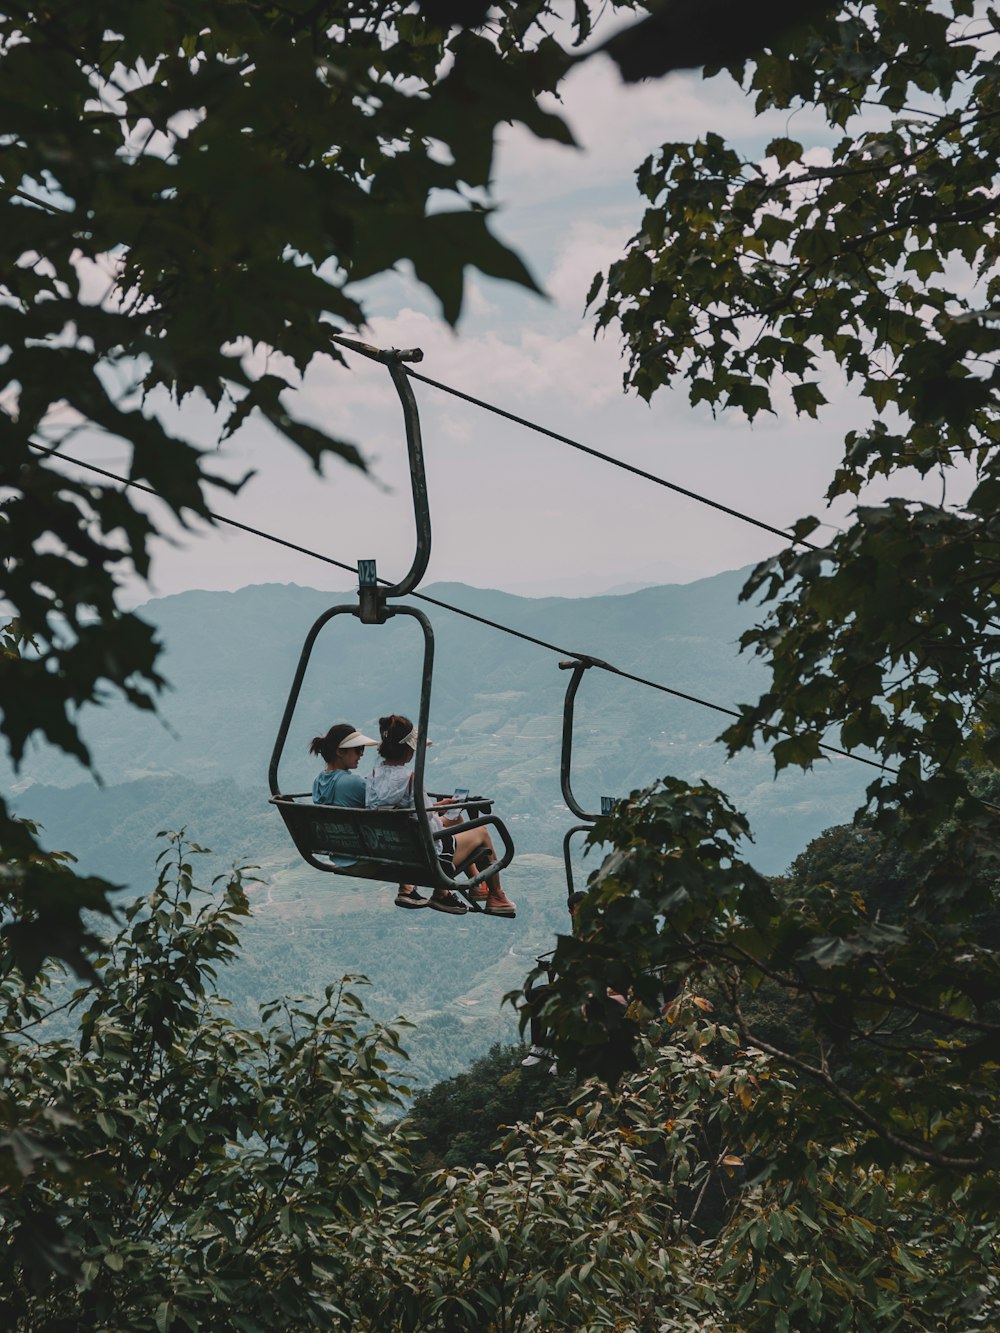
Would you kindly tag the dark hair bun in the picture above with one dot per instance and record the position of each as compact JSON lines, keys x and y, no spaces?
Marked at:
{"x":392,"y":729}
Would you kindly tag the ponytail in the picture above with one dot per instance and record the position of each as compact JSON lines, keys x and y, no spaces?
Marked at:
{"x":328,"y":745}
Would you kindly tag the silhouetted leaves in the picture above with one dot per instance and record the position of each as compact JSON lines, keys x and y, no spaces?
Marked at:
{"x":683,"y":34}
{"x":754,"y":280}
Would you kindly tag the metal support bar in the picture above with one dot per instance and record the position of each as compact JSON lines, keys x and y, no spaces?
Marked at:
{"x":293,"y":693}
{"x":393,"y":360}
{"x":567,"y":861}
{"x":578,"y":665}
{"x":372,"y":609}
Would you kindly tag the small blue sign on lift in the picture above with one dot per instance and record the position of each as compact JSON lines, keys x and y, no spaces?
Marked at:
{"x":367,"y":578}
{"x":607,"y":804}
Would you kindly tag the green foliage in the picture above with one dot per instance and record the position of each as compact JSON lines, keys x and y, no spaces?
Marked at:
{"x":596,"y":1218}
{"x":871,"y":256}
{"x":139,"y":143}
{"x":457,"y":1123}
{"x":170,"y":1169}
{"x":747,"y":272}
{"x":663,"y":897}
{"x":42,"y":900}
{"x":887,"y":635}
{"x":164,"y":1168}
{"x":868,"y":975}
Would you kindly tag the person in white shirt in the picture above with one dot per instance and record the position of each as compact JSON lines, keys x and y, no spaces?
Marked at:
{"x":391,"y":784}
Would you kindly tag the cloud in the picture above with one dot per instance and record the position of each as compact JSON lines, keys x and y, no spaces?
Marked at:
{"x":617,"y":126}
{"x":584,"y":253}
{"x":511,"y":508}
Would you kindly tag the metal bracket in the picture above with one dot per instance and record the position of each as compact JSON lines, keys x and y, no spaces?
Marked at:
{"x":578,"y":666}
{"x":371,"y":598}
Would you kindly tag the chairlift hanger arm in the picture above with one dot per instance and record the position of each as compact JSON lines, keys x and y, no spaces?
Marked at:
{"x":381,"y":844}
{"x":567,"y":859}
{"x":393,"y":359}
{"x":578,"y":665}
{"x":293,"y":693}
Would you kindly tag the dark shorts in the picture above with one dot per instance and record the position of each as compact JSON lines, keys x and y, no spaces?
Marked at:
{"x":446,"y":855}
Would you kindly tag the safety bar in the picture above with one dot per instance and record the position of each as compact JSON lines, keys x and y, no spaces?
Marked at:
{"x":495,"y":866}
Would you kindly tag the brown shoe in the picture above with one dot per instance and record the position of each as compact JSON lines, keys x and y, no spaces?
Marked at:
{"x":479,"y":893}
{"x":498,"y":904}
{"x":411,"y":899}
{"x":446,"y":901}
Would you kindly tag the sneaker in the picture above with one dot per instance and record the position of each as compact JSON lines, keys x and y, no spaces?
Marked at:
{"x":536,"y":1055}
{"x":479,"y":893}
{"x":498,"y":904}
{"x":448,"y":902}
{"x":554,"y":1068}
{"x":411,"y":899}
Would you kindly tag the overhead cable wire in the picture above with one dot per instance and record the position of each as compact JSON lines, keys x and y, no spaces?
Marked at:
{"x":609,"y":458}
{"x":460,"y":611}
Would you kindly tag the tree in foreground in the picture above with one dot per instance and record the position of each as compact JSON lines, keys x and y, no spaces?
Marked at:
{"x":178,"y":1171}
{"x":184,"y":1172}
{"x":871,"y":258}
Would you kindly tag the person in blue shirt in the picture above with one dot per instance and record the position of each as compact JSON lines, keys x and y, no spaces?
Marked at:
{"x":342,"y":748}
{"x":338,"y":784}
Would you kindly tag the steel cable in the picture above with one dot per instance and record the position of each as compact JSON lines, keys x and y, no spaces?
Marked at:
{"x":459,"y":611}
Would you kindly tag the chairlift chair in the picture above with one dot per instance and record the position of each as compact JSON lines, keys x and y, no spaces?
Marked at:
{"x":393,"y":845}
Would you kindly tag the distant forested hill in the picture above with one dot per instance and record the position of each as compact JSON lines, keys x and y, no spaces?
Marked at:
{"x":496,"y":719}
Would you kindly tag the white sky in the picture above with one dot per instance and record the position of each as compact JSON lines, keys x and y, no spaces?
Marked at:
{"x":510,"y":509}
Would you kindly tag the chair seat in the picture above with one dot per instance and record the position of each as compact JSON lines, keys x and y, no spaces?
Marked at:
{"x":380,"y":844}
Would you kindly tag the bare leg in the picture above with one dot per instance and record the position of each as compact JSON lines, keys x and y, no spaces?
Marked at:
{"x":471,"y":845}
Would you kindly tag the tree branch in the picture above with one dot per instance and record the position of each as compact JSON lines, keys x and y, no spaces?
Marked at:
{"x":871,"y":1122}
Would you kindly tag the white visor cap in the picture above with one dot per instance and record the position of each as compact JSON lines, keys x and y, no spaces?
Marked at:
{"x":354,"y":740}
{"x":411,"y":740}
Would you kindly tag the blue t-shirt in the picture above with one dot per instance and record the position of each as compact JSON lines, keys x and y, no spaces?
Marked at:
{"x":338,"y":787}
